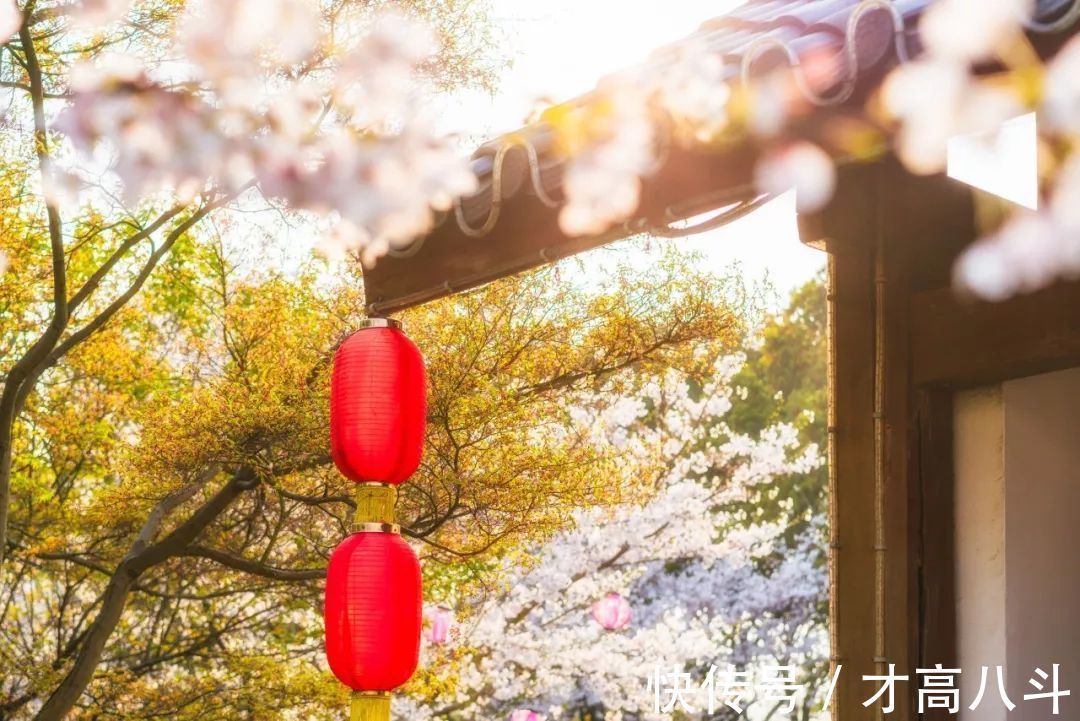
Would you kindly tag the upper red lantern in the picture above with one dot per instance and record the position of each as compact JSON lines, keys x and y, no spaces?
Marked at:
{"x":378,"y":405}
{"x":373,"y":612}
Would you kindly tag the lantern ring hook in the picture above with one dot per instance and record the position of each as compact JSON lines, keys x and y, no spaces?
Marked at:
{"x":378,"y":322}
{"x":377,"y":528}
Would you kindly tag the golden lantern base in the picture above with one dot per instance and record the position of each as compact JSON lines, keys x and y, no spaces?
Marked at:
{"x":374,"y":504}
{"x":370,"y":706}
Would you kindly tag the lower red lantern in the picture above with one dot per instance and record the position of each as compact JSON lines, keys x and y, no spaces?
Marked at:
{"x":373,"y":617}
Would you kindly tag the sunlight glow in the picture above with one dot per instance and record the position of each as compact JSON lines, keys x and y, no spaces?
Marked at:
{"x":562,"y":48}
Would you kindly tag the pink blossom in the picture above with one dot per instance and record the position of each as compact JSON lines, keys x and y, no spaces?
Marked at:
{"x":440,"y":619}
{"x":10,"y":19}
{"x":96,"y":13}
{"x":613,"y":612}
{"x":228,"y":39}
{"x":801,"y":166}
{"x":162,"y":139}
{"x":524,"y":714}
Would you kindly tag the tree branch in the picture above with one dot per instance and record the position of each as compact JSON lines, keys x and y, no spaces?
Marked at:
{"x":246,"y":565}
{"x":23,"y":369}
{"x":99,"y":321}
{"x":94,"y":281}
{"x":143,"y":555}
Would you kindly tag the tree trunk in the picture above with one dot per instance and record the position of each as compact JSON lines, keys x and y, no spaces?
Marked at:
{"x":142,"y":557}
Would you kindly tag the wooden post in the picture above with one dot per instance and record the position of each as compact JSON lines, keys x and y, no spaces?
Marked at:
{"x":851,"y":403}
{"x":844,"y":226}
{"x":876,"y":219}
{"x":932,"y":472}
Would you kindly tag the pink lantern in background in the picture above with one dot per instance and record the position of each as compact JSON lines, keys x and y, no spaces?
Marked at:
{"x":440,"y":619}
{"x":612,"y":612}
{"x":524,"y":714}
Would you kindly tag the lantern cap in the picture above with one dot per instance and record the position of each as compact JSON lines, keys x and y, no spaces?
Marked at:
{"x":379,"y":323}
{"x":377,"y":528}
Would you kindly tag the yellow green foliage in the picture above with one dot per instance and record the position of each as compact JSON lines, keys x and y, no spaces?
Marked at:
{"x":151,"y":418}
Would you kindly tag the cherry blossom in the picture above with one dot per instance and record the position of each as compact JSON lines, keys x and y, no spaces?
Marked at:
{"x":162,"y":138}
{"x":705,"y":587}
{"x":96,"y":13}
{"x":1031,"y":250}
{"x":524,"y":714}
{"x":1061,"y":100}
{"x":439,"y":619}
{"x":971,"y":30}
{"x":229,"y":38}
{"x":693,"y":88}
{"x":10,"y":19}
{"x":802,"y":166}
{"x":958,"y":105}
{"x":612,"y":141}
{"x":615,"y":141}
{"x":374,"y":167}
{"x":374,"y":80}
{"x":613,"y":612}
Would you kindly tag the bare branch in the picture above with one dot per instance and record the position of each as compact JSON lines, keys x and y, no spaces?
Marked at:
{"x":246,"y":565}
{"x":142,"y":556}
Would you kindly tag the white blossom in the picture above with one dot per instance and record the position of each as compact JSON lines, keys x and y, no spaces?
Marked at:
{"x":1061,"y":100}
{"x":602,"y":182}
{"x":10,"y":20}
{"x":958,"y":105}
{"x":97,"y":13}
{"x":229,"y":38}
{"x":375,"y":166}
{"x":693,"y":88}
{"x":971,"y":30}
{"x":692,"y":574}
{"x":1031,"y":250}
{"x":802,"y":166}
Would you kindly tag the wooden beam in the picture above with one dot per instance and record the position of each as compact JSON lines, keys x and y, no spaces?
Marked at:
{"x":960,"y":342}
{"x":527,"y":233}
{"x":898,"y":533}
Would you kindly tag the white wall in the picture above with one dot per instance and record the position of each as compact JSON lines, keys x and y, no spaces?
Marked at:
{"x":1017,"y":462}
{"x":979,"y":466}
{"x":1042,"y":535}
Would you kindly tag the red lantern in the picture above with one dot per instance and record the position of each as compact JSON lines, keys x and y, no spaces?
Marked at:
{"x":378,"y":405}
{"x":373,"y":615}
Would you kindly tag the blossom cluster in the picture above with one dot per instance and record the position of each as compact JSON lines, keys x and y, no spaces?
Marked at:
{"x":701,"y":583}
{"x":266,"y":99}
{"x":687,"y":95}
{"x":1033,"y":248}
{"x":265,"y":96}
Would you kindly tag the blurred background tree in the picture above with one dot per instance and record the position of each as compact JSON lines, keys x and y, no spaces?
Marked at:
{"x":167,"y":502}
{"x":174,"y":502}
{"x":785,"y":382}
{"x":83,"y":238}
